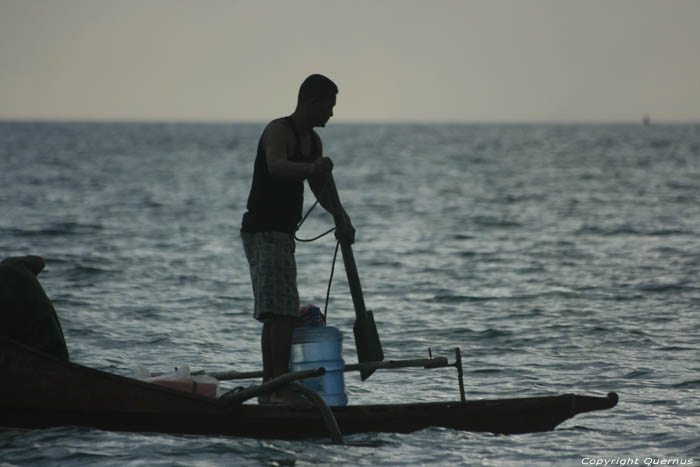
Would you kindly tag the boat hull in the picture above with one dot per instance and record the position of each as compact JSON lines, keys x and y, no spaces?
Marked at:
{"x":45,"y":392}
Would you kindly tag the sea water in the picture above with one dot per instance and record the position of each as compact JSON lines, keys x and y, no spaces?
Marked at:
{"x":559,"y":258}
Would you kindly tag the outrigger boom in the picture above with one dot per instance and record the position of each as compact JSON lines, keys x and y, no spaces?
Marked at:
{"x":427,"y":363}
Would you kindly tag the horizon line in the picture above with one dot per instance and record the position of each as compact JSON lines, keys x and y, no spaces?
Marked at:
{"x":350,"y":121}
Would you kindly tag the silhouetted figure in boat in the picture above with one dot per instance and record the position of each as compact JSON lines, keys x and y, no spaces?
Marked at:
{"x":26,"y":313}
{"x":289,"y":152}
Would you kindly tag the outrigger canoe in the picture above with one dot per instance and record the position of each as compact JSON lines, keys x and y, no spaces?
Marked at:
{"x":39,"y":391}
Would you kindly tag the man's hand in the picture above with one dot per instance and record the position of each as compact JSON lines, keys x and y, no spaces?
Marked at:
{"x":321,"y":166}
{"x":349,"y":233}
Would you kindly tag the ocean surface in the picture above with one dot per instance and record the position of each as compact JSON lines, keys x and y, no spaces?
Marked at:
{"x":559,"y":258}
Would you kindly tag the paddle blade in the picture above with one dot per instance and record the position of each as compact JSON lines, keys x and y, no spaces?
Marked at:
{"x":369,"y":347}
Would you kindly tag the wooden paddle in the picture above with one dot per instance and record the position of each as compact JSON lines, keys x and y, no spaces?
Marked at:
{"x":369,"y":348}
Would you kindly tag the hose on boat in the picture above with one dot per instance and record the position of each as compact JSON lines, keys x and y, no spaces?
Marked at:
{"x":239,"y":395}
{"x":326,"y":413}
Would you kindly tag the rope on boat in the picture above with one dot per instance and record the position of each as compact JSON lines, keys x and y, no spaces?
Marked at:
{"x":302,"y":221}
{"x":335,"y":255}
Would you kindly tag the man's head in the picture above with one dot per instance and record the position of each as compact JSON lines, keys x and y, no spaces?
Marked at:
{"x":317,"y":99}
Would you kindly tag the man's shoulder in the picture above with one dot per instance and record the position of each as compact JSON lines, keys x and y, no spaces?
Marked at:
{"x":277,"y":129}
{"x":279,"y":123}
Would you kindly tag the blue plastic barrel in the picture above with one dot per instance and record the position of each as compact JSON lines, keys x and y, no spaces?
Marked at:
{"x":321,"y":346}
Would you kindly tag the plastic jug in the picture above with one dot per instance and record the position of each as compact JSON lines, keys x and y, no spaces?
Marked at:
{"x":320,"y":346}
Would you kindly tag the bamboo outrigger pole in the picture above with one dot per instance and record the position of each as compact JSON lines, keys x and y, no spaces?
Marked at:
{"x":427,"y":363}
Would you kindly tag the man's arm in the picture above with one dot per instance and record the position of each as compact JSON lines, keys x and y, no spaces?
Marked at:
{"x":275,"y":142}
{"x":319,"y":184}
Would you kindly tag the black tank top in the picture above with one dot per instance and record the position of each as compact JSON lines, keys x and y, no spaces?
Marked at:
{"x":276,"y":204}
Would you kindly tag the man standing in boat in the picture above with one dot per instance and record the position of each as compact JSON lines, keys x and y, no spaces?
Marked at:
{"x":289,"y":152}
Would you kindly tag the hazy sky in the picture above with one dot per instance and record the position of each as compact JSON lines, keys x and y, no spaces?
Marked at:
{"x":398,"y":60}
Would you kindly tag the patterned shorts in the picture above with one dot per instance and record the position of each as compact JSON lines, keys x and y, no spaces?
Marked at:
{"x":273,"y":273}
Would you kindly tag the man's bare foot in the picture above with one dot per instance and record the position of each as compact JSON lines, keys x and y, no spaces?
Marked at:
{"x":265,"y":399}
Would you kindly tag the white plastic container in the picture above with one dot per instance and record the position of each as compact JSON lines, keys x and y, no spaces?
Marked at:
{"x":319,"y":346}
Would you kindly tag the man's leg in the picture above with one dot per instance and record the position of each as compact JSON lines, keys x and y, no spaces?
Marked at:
{"x":266,"y":354}
{"x":276,"y":343}
{"x":266,"y":343}
{"x":281,"y":330}
{"x":281,"y":343}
